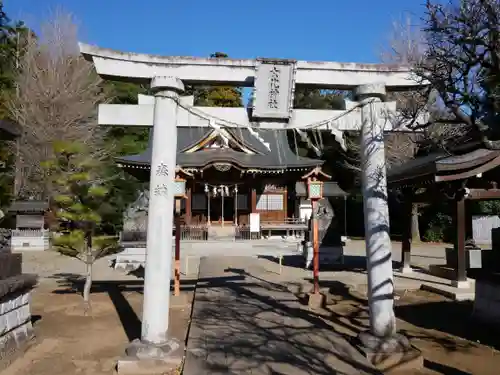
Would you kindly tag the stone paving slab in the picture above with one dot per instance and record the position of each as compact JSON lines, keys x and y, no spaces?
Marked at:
{"x":243,"y":323}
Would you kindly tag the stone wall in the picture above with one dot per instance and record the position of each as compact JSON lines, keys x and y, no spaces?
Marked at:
{"x":16,"y":330}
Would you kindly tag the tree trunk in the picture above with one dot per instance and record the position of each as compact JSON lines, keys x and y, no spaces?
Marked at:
{"x":415,"y":229}
{"x":89,"y":261}
{"x":87,"y":287}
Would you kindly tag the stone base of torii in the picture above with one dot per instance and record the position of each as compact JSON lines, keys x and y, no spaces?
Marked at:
{"x":155,"y":346}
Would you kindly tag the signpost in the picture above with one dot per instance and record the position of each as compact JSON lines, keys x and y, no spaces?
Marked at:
{"x":254,"y":222}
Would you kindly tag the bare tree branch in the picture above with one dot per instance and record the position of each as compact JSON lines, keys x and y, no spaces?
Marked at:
{"x":58,"y":93}
{"x":462,"y":62}
{"x":405,"y":47}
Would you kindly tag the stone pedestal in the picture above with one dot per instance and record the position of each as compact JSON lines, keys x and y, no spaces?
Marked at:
{"x":460,"y":284}
{"x":148,"y":358}
{"x":390,"y":355}
{"x":315,"y":300}
{"x":406,"y":270}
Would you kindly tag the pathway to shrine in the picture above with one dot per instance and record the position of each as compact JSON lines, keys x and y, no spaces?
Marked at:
{"x":243,"y":322}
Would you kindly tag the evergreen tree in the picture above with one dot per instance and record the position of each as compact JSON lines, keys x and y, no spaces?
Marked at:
{"x":77,"y":193}
{"x":217,"y":96}
{"x":12,"y":41}
{"x":309,"y":98}
{"x":123,"y":188}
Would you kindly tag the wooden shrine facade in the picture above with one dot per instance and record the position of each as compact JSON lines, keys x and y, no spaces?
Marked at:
{"x":231,"y":174}
{"x":470,"y":173}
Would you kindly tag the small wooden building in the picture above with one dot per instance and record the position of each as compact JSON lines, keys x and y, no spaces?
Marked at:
{"x":469,"y":173}
{"x":30,"y":232}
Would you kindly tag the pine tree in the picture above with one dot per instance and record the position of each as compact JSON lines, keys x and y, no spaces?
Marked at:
{"x":76,"y":195}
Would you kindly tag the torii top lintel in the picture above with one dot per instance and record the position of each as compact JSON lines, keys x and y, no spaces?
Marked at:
{"x":333,"y":75}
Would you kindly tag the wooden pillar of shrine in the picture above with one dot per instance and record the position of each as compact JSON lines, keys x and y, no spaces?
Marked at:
{"x":285,"y":203}
{"x":407,"y":235}
{"x":188,"y":205}
{"x":254,"y":201}
{"x":461,"y":276}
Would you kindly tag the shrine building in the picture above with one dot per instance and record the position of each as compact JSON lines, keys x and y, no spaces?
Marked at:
{"x":233,"y":174}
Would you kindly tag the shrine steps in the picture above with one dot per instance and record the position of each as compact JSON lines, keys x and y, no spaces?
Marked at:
{"x":221,"y":233}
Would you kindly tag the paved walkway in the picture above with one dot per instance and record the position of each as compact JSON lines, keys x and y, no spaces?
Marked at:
{"x":422,"y":254}
{"x":243,"y":323}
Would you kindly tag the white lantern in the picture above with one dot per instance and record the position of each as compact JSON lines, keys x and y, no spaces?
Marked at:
{"x":315,"y":189}
{"x":180,"y":188}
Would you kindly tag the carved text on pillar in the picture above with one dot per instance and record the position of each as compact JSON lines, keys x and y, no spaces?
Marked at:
{"x":162,"y":170}
{"x":161,"y":190}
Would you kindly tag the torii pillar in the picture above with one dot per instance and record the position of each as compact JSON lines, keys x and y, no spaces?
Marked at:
{"x":155,"y":346}
{"x":382,"y":345}
{"x":376,"y":212}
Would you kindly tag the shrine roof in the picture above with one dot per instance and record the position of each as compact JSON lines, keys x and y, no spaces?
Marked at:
{"x":330,"y":189}
{"x":278,"y":156}
{"x":443,"y":166}
{"x":29,"y":206}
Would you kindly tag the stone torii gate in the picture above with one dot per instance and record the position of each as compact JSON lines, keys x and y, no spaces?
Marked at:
{"x":274,"y":83}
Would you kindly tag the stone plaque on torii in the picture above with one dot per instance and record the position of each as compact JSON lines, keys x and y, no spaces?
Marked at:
{"x":274,"y":83}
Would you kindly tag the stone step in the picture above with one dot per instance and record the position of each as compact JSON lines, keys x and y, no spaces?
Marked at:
{"x":220,"y":232}
{"x":442,"y":271}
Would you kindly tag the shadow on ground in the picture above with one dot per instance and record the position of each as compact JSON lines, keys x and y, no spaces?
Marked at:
{"x":350,"y":262}
{"x":243,"y":322}
{"x":436,"y":313}
{"x":453,"y":318}
{"x":73,"y":284}
{"x":250,"y":325}
{"x":430,"y":321}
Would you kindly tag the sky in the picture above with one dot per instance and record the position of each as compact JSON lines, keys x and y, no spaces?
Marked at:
{"x":321,"y":30}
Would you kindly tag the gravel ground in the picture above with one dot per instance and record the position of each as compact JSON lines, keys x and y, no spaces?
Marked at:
{"x":50,"y":265}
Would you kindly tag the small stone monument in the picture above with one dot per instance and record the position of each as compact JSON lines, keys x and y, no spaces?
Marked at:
{"x":133,"y":235}
{"x":329,"y":236}
{"x":331,"y":250}
{"x":135,"y":219}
